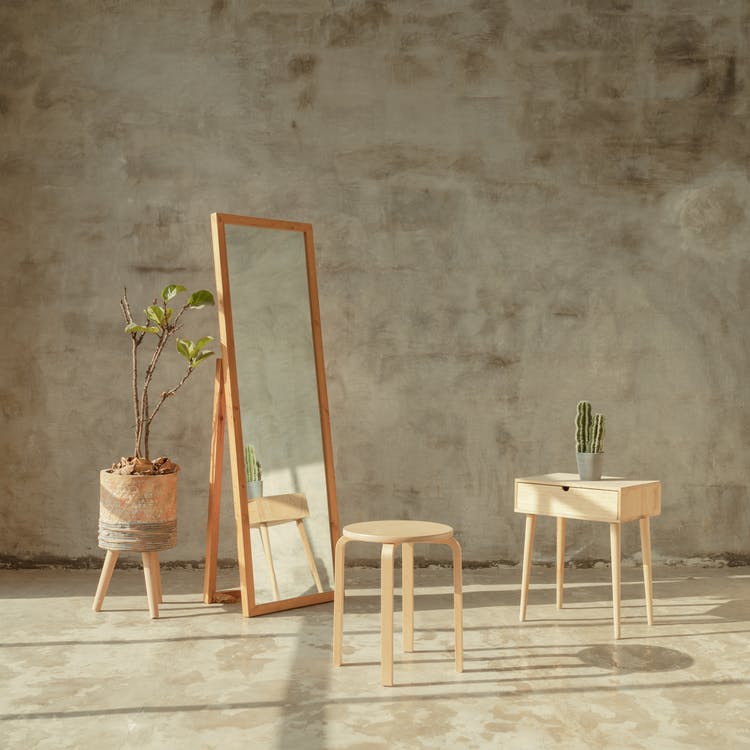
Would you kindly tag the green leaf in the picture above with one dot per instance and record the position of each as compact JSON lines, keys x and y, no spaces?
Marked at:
{"x":155,"y":313}
{"x":183,"y":348}
{"x":153,"y":329}
{"x":169,"y":313}
{"x":171,"y":290}
{"x":200,"y":343}
{"x":199,"y":358}
{"x":135,"y":328}
{"x":201,"y":299}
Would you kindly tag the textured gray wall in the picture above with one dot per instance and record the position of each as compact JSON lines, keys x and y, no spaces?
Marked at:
{"x":517,"y":205}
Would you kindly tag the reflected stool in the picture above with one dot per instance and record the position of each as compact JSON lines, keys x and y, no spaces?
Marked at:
{"x":391,"y":534}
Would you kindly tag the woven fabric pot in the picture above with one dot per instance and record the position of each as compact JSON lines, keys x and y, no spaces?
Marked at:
{"x":137,"y":513}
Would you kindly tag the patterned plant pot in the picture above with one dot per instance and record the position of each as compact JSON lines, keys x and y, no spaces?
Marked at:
{"x":137,"y":513}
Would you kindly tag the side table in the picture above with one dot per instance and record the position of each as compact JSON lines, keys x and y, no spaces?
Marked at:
{"x":610,"y":500}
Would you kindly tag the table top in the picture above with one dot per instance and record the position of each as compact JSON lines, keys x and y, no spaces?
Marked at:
{"x":397,"y":532}
{"x":571,"y":480}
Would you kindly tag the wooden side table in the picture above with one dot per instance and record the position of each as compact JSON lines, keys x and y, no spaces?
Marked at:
{"x":613,"y":501}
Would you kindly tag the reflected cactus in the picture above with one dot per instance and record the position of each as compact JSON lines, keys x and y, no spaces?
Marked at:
{"x":253,"y":471}
{"x":589,"y":432}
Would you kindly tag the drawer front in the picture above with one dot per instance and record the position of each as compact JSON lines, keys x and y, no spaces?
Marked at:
{"x":575,"y":502}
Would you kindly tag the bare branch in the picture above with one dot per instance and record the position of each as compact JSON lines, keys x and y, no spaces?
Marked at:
{"x":166,"y":394}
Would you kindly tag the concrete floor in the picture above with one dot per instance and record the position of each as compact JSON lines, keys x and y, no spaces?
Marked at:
{"x":204,"y":677}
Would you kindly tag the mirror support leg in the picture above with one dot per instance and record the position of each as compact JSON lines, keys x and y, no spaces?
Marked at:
{"x":308,"y":552}
{"x":214,"y":487}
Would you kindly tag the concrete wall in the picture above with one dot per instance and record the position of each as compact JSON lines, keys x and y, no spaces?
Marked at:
{"x":517,"y":205}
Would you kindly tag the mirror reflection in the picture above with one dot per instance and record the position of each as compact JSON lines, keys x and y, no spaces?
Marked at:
{"x":280,"y":413}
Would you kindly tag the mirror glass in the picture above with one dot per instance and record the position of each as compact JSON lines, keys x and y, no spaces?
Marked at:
{"x":279,"y":411}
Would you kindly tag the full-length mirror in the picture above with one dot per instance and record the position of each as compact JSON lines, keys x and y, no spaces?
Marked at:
{"x":271,"y":384}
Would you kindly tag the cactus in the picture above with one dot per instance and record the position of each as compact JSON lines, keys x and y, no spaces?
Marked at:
{"x":583,"y":425}
{"x":253,"y":471}
{"x":596,"y":441}
{"x":589,"y":433}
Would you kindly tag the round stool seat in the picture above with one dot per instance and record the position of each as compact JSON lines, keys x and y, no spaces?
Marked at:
{"x":397,"y":532}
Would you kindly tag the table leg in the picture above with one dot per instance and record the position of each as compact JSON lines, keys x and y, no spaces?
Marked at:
{"x":265,"y":540}
{"x":528,"y":549}
{"x":338,"y":600}
{"x":647,"y":571}
{"x":105,"y":578}
{"x":407,"y":595}
{"x":386,"y":614}
{"x":614,"y":541}
{"x":560,"y":560}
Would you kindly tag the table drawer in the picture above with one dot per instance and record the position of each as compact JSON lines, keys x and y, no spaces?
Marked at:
{"x":574,"y":502}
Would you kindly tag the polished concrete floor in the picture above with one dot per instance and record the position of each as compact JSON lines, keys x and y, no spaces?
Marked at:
{"x":204,"y":677}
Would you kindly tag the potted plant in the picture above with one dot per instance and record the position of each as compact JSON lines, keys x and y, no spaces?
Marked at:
{"x":253,"y":473}
{"x":589,"y":442}
{"x":138,"y":495}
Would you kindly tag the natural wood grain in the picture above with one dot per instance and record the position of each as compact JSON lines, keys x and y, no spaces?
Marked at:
{"x":274,"y":509}
{"x":214,"y":486}
{"x":407,"y":595}
{"x":458,"y":607}
{"x":386,"y":614}
{"x":396,"y":532}
{"x":645,"y":525}
{"x":234,"y":419}
{"x":564,"y":500}
{"x":231,"y":399}
{"x":528,"y":551}
{"x":151,"y":591}
{"x":266,"y":542}
{"x":614,"y":541}
{"x":156,"y":570}
{"x":611,"y":500}
{"x":374,"y":532}
{"x":309,"y":554}
{"x":338,"y":599}
{"x":560,"y":562}
{"x":105,"y":577}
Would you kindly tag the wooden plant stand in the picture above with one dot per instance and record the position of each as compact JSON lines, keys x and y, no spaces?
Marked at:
{"x":151,"y":571}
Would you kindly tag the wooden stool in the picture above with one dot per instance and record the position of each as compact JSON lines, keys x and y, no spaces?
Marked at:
{"x":390,"y":534}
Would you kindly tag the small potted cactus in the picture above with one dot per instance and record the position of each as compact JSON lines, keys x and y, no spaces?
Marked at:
{"x":589,"y":442}
{"x":253,"y":473}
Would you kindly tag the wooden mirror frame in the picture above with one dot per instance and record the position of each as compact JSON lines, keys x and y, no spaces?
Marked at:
{"x":227,"y":408}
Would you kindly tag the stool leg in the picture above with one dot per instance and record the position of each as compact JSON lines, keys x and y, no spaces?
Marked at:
{"x":105,"y":578}
{"x":458,"y":607}
{"x":614,"y":540}
{"x":647,"y":572}
{"x":148,"y":572}
{"x":386,"y":614}
{"x":338,"y":600}
{"x":560,"y":560}
{"x":407,"y":595}
{"x":528,"y":549}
